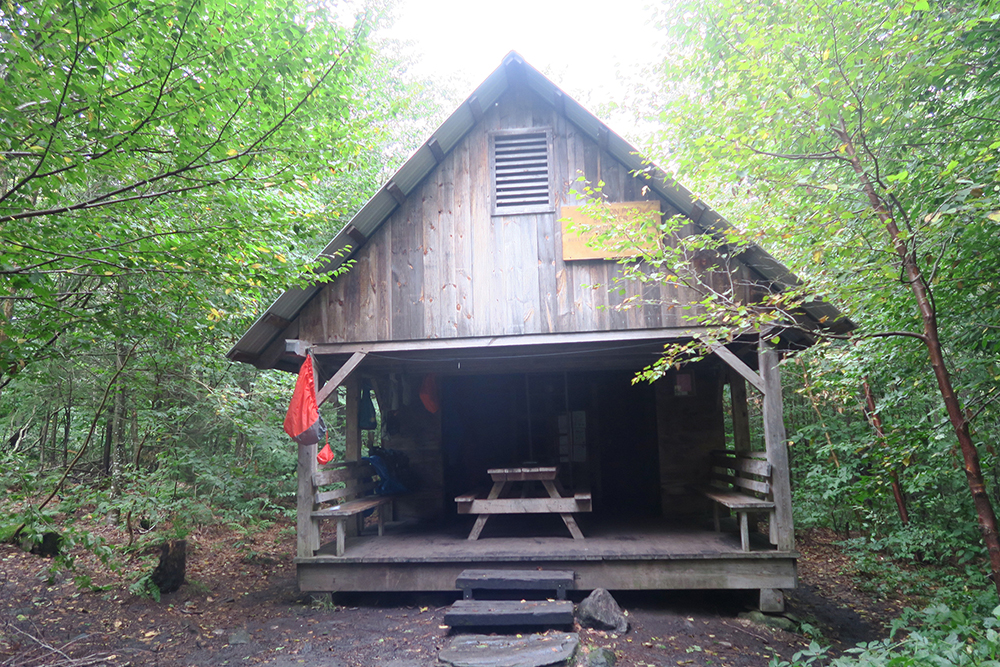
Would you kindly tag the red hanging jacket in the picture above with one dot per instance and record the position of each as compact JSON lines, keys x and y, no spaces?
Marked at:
{"x":303,"y":422}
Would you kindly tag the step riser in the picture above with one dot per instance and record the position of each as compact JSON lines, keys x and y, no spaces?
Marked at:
{"x":516,"y":580}
{"x":471,"y":613}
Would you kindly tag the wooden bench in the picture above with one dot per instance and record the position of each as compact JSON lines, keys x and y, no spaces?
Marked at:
{"x":356,"y":497}
{"x":742,"y":483}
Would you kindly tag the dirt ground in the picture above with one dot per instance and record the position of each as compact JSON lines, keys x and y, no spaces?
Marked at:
{"x":241,"y":607}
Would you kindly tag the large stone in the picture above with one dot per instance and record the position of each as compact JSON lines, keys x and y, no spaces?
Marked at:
{"x":599,"y":610}
{"x":239,"y":636}
{"x":770,"y":621}
{"x":601,"y":657}
{"x":552,"y":648}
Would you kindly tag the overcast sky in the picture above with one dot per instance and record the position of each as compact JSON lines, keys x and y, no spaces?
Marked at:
{"x":590,"y":49}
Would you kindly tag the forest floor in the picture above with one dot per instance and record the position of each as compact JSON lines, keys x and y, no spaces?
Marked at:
{"x":240,"y":606}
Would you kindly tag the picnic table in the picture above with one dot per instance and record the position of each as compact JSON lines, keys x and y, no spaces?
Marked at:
{"x":557,"y":502}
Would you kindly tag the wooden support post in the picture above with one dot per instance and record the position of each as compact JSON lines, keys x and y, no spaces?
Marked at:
{"x":776,"y":444}
{"x":352,"y":435}
{"x":772,"y":600}
{"x":741,"y":413}
{"x":352,"y":443}
{"x":307,"y":531}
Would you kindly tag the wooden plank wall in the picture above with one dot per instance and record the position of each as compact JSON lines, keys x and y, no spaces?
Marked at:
{"x":688,"y":429}
{"x":442,"y":267}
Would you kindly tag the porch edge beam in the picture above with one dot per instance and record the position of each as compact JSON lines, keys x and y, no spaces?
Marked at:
{"x":737,"y":365}
{"x":507,"y":341}
{"x":338,"y":378}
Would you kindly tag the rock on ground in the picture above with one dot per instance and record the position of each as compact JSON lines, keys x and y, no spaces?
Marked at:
{"x":553,"y":648}
{"x":599,"y":610}
{"x":600,"y":657}
{"x":770,"y":621}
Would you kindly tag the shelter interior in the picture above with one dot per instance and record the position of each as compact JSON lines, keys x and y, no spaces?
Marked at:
{"x":640,"y":450}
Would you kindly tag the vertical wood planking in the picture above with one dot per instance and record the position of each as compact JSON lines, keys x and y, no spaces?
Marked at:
{"x":334,"y":303}
{"x":382,"y":279}
{"x":353,"y":326}
{"x":480,"y":225}
{"x":446,"y":223}
{"x":407,"y":271}
{"x":462,"y":193}
{"x":565,"y":138}
{"x":434,"y":270}
{"x":442,"y":266}
{"x":548,"y":300}
{"x":310,"y":320}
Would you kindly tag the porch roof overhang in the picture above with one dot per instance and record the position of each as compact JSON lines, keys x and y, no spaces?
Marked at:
{"x":513,"y":69}
{"x":630,"y":350}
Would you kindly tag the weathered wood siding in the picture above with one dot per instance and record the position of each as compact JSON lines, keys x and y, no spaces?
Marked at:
{"x":443,"y":267}
{"x":688,"y":429}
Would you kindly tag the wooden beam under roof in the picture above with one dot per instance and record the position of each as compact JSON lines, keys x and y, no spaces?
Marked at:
{"x":436,"y":150}
{"x":338,"y":378}
{"x":475,"y":108}
{"x":276,"y":321}
{"x":737,"y":365}
{"x":356,"y":235}
{"x":296,"y":347}
{"x":509,"y":341}
{"x":397,"y":193}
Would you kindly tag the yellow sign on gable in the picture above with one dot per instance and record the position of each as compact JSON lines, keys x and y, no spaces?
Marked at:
{"x":627,"y":229}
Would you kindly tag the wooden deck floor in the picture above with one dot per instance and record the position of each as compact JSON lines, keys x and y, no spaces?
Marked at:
{"x":639,"y":555}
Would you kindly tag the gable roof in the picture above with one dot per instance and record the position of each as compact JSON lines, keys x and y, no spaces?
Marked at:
{"x":376,"y":211}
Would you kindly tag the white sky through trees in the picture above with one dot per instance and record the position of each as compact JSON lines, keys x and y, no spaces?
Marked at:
{"x":591,"y":49}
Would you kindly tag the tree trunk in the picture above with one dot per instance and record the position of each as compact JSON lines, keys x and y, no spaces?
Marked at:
{"x":67,"y":422}
{"x":169,"y":573}
{"x":106,"y":453}
{"x":876,"y":422}
{"x":925,"y":305}
{"x":43,"y":435}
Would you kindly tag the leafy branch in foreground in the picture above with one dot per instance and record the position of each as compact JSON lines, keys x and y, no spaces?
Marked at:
{"x":861,"y":143}
{"x":158,"y":144}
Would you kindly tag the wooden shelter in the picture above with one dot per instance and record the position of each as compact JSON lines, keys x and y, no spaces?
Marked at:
{"x":492,"y":341}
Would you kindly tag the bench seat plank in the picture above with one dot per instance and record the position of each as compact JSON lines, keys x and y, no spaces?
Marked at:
{"x":737,"y":501}
{"x":352,"y":507}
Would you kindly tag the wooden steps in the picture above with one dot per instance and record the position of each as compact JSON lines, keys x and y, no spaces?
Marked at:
{"x":512,"y":613}
{"x":516,"y":580}
{"x":519,"y":613}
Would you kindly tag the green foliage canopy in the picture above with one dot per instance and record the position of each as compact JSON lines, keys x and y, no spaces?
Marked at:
{"x":859,"y":143}
{"x":147,"y":143}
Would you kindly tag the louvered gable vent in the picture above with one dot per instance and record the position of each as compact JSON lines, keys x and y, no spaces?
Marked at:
{"x":521,"y":171}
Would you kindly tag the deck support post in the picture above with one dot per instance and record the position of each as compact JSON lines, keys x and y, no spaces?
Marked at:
{"x":772,"y":600}
{"x":776,"y":444}
{"x":307,"y":528}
